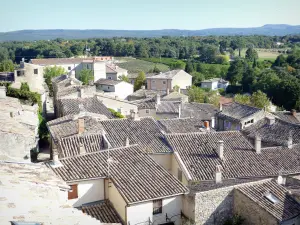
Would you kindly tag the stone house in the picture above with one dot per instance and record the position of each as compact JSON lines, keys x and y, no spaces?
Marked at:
{"x":236,"y":116}
{"x":144,"y":93}
{"x":215,"y":83}
{"x":118,"y":88}
{"x":292,"y":117}
{"x":168,"y":80}
{"x":113,"y":72}
{"x":19,"y":128}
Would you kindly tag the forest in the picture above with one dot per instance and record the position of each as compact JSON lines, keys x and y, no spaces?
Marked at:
{"x":204,"y":57}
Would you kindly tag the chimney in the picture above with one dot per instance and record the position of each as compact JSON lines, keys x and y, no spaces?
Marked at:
{"x":220,"y":107}
{"x":293,"y":112}
{"x":2,"y":92}
{"x":258,"y":144}
{"x":80,"y":125}
{"x":127,"y":141}
{"x":134,"y":115}
{"x":206,"y":124}
{"x":81,"y":149}
{"x":281,"y":179}
{"x":11,"y":114}
{"x":289,"y":142}
{"x":71,"y":82}
{"x":157,"y":99}
{"x":143,"y":87}
{"x":179,"y":90}
{"x":179,"y":111}
{"x":168,"y":91}
{"x":270,"y":120}
{"x":81,"y":93}
{"x":221,"y":149}
{"x":218,"y":175}
{"x":213,"y":122}
{"x":56,"y":161}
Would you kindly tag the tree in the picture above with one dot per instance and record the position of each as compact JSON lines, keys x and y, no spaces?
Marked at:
{"x":24,"y":87}
{"x":251,"y":55}
{"x":51,"y":72}
{"x":7,"y":66}
{"x":243,"y":99}
{"x":86,"y":76}
{"x":260,"y":100}
{"x":189,"y":68}
{"x":156,"y":70}
{"x":124,"y":78}
{"x":236,"y":71}
{"x":4,"y":54}
{"x":196,"y":94}
{"x":280,"y":61}
{"x":223,"y":46}
{"x":139,"y":81}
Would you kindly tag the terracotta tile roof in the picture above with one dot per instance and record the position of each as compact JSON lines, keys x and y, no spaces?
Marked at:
{"x":92,"y":105}
{"x":288,"y":117}
{"x":285,"y":208}
{"x":144,"y":132}
{"x":276,"y":134}
{"x":198,"y":151}
{"x":135,"y":174}
{"x":168,"y":75}
{"x":202,"y":111}
{"x":108,"y":82}
{"x":184,"y":125}
{"x":102,"y":211}
{"x":237,"y":111}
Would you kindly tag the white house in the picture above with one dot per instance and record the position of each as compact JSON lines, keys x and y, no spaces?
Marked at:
{"x":215,"y":83}
{"x":118,"y":88}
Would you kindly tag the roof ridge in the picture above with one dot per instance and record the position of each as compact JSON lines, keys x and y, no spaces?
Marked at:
{"x":204,"y":133}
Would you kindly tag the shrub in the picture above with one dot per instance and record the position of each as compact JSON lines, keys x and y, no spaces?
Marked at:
{"x":116,"y":114}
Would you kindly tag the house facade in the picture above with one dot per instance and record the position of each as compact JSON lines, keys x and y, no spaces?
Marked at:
{"x":215,"y":83}
{"x":118,"y":88}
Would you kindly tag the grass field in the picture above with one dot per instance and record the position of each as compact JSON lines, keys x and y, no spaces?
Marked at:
{"x":263,"y":54}
{"x":136,"y":65}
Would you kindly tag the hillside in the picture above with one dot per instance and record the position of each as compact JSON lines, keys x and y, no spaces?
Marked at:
{"x":30,"y":35}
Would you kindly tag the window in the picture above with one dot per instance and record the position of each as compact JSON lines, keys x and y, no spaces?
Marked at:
{"x":272,"y":198}
{"x":164,"y":82}
{"x":157,"y":206}
{"x":109,"y":78}
{"x":73,"y":193}
{"x":147,"y":110}
{"x":69,"y":68}
{"x":107,"y":87}
{"x":35,"y":71}
{"x":179,"y":175}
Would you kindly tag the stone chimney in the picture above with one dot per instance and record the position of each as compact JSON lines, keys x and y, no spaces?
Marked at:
{"x":218,"y":175}
{"x":289,"y":142}
{"x":81,"y":93}
{"x":81,"y":149}
{"x":221,"y":149}
{"x":257,"y":144}
{"x":281,"y":179}
{"x":2,"y":92}
{"x":56,"y":161}
{"x":127,"y":142}
{"x":71,"y":82}
{"x":168,"y":91}
{"x":213,"y":122}
{"x":293,"y":112}
{"x":143,"y":87}
{"x":179,"y":90}
{"x":220,"y":107}
{"x":157,"y":99}
{"x":134,"y":115}
{"x":206,"y":124}
{"x":270,"y":120}
{"x":179,"y":111}
{"x":80,"y":125}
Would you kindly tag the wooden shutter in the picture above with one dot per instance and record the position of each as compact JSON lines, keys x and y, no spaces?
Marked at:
{"x":74,"y":192}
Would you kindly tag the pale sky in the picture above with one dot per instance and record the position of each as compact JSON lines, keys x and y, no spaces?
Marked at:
{"x":145,"y":15}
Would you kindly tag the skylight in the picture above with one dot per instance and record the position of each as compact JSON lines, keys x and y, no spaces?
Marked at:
{"x":272,"y":198}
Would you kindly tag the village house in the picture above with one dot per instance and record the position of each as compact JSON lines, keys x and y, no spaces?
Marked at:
{"x":33,"y":194}
{"x":292,"y":117}
{"x":113,"y":72}
{"x":168,"y":80}
{"x":117,"y":88}
{"x":236,"y":116}
{"x":19,"y":128}
{"x":114,"y":174}
{"x":144,"y":93}
{"x":215,"y":83}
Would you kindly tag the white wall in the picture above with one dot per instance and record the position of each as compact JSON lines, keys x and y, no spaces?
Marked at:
{"x":182,"y":79}
{"x":88,"y":191}
{"x":123,"y":89}
{"x":67,"y":67}
{"x":141,"y":212}
{"x":99,"y":70}
{"x":106,"y":88}
{"x":211,"y":85}
{"x":165,"y":160}
{"x":118,"y":105}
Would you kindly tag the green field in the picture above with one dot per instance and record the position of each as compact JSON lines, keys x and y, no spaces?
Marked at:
{"x":263,"y":54}
{"x":136,"y":65}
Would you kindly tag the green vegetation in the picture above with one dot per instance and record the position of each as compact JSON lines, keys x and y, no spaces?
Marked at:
{"x":7,"y":66}
{"x":50,"y":73}
{"x":116,"y":114}
{"x":24,"y":87}
{"x":137,"y":65}
{"x":257,"y":99}
{"x":139,"y":81}
{"x":170,"y":62}
{"x":201,"y":95}
{"x":86,"y":76}
{"x":124,"y":78}
{"x":235,"y":220}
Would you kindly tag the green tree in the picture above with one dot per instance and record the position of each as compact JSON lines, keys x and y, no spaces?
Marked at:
{"x":139,"y":81}
{"x":124,"y":78}
{"x":24,"y":87}
{"x":260,"y":100}
{"x":251,"y":55}
{"x":189,"y":68}
{"x":7,"y":66}
{"x":280,"y":61}
{"x":86,"y":76}
{"x":236,"y":71}
{"x":156,"y":70}
{"x":196,"y":94}
{"x":4,"y":54}
{"x":243,"y":99}
{"x":51,"y":72}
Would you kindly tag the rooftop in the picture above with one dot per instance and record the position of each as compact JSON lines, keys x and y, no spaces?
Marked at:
{"x":168,"y":75}
{"x":174,"y":96}
{"x":182,"y":125}
{"x":145,"y":93}
{"x":168,"y":107}
{"x":202,"y":111}
{"x":285,"y":206}
{"x":288,"y":116}
{"x":135,"y":174}
{"x":112,"y":68}
{"x":108,"y":82}
{"x":237,"y":111}
{"x":32,"y":192}
{"x":215,"y":80}
{"x":58,"y":61}
{"x":198,"y":151}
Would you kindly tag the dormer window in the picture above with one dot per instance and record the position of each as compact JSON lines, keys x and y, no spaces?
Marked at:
{"x":272,"y":198}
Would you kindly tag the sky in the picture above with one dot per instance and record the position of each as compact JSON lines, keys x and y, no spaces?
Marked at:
{"x":145,"y":14}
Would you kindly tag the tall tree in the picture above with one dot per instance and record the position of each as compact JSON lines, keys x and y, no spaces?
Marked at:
{"x":51,"y":72}
{"x":6,"y":66}
{"x":124,"y":78}
{"x":139,"y":81}
{"x":251,"y":55}
{"x":236,"y":71}
{"x":260,"y":100}
{"x":86,"y":76}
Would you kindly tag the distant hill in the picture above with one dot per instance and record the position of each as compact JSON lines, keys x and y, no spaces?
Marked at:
{"x":31,"y":35}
